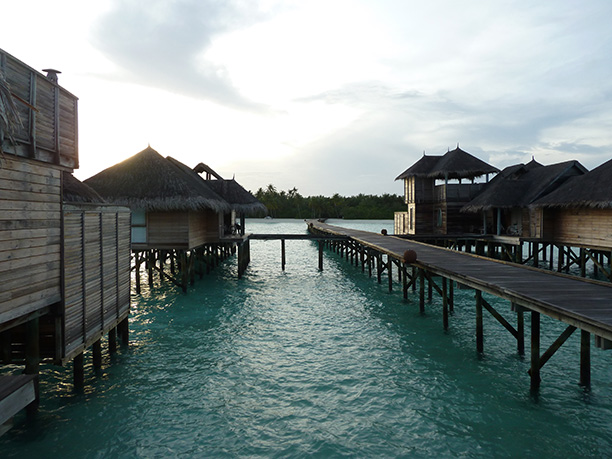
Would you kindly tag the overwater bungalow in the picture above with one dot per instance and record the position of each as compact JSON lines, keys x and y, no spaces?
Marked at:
{"x":171,"y":208}
{"x":504,"y":204}
{"x":579,"y":214}
{"x":57,"y":287}
{"x":176,"y":213}
{"x":435,"y":191}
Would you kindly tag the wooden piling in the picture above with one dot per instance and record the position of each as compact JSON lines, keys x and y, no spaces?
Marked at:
{"x":124,"y":331}
{"x":78,"y":371}
{"x":96,"y":351}
{"x":112,"y":341}
{"x":32,"y":347}
{"x":283,"y":259}
{"x":445,"y":303}
{"x":534,"y":372}
{"x":585,"y":358}
{"x":421,"y":290}
{"x":479,"y":323}
{"x":390,"y":272}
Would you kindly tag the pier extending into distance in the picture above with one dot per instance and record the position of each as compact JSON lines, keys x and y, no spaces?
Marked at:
{"x":581,"y":304}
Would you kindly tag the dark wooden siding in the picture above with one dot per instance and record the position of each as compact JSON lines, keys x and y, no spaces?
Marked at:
{"x":96,"y":273}
{"x":49,"y":131}
{"x":30,"y":236}
{"x":203,"y":228}
{"x":581,"y":226}
{"x":167,"y":230}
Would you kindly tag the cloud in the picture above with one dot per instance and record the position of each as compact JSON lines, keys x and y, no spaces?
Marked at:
{"x":163,"y":44}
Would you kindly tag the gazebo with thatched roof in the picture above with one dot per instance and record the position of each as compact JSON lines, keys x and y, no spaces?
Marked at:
{"x":505,"y":201}
{"x":435,"y":192}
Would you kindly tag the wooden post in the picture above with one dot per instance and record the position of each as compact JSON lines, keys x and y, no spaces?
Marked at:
{"x":585,"y":358}
{"x":535,"y":351}
{"x":451,"y":296}
{"x":124,"y":331}
{"x":138,"y":260}
{"x":429,"y":288}
{"x":421,"y":290}
{"x":112,"y":340}
{"x":520,"y":328}
{"x":283,"y":259}
{"x":379,"y":267}
{"x":320,"y":255}
{"x":445,"y":303}
{"x":150,"y":261}
{"x":404,"y":281}
{"x":536,"y":254}
{"x":582,"y":262}
{"x":479,"y":325}
{"x":97,"y":354}
{"x":561,"y":251}
{"x":32,"y":347}
{"x":414,"y":274}
{"x":78,"y":372}
{"x":550,"y":265}
{"x":390,"y":272}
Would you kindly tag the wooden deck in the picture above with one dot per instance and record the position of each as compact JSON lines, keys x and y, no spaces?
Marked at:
{"x":16,"y":393}
{"x":582,"y":303}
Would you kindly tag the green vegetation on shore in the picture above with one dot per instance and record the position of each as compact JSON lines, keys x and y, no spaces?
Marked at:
{"x":291,"y":204}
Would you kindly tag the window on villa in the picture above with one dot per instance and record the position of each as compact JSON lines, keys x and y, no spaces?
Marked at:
{"x":139,"y":226}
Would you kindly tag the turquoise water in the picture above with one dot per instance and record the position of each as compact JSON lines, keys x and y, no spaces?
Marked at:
{"x":305,"y":363}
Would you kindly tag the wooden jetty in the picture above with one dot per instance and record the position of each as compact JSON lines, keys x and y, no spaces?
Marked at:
{"x":579,"y":303}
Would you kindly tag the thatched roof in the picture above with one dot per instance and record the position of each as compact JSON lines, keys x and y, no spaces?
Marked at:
{"x":521,"y":184}
{"x":149,"y":181}
{"x":593,"y":189}
{"x":74,"y":190}
{"x":421,"y":168}
{"x":455,"y":164}
{"x":240,"y":199}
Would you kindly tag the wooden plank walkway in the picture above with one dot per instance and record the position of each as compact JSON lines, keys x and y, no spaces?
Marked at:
{"x":582,"y":303}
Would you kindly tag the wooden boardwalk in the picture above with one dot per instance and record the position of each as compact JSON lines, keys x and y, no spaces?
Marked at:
{"x":581,"y":303}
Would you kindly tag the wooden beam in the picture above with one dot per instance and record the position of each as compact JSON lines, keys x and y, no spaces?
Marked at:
{"x":554,"y":347}
{"x":499,"y":318}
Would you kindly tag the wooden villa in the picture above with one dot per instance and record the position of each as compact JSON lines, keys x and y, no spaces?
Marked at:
{"x":176,"y":214}
{"x":578,"y":214}
{"x":60,"y":291}
{"x":504,"y":204}
{"x":435,"y":192}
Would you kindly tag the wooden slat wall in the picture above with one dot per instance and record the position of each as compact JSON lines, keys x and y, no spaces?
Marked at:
{"x":203,"y":228}
{"x":168,"y":230}
{"x":97,"y":273}
{"x":30,"y":232}
{"x":49,"y":134}
{"x":585,"y":226}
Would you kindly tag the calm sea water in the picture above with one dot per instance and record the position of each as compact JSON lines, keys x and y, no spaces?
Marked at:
{"x":305,"y":363}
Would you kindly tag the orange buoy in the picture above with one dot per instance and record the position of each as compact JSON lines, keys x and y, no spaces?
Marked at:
{"x":410,"y":256}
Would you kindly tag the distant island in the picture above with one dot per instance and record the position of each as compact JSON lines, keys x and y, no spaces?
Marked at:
{"x":291,"y":204}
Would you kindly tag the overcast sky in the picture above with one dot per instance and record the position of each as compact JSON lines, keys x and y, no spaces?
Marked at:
{"x":329,"y":96}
